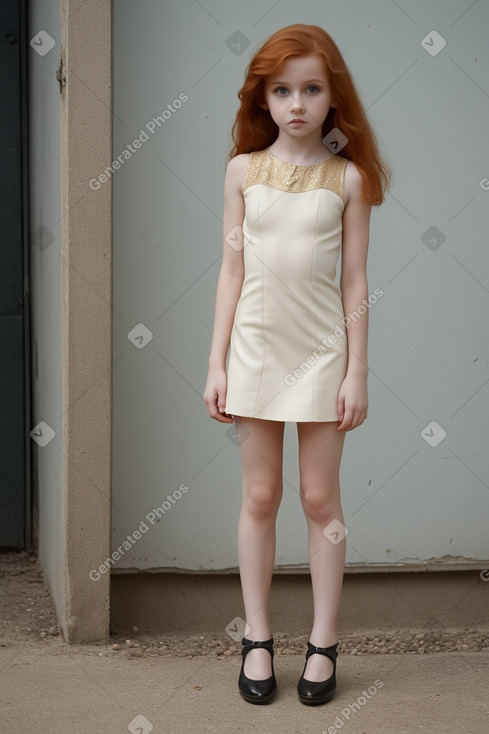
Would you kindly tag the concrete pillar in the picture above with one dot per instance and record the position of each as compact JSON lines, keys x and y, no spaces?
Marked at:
{"x":86,"y":149}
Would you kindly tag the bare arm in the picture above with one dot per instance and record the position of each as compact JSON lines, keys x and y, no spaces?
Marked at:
{"x":352,"y":398}
{"x":229,"y":286}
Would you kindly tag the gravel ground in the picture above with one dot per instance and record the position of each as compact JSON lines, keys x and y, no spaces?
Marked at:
{"x":27,"y":616}
{"x":398,"y":643}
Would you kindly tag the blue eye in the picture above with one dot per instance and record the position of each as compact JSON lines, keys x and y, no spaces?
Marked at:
{"x":282,"y":91}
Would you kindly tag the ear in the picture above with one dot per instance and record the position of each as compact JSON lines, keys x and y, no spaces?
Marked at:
{"x":334,"y":105}
{"x":263,"y":105}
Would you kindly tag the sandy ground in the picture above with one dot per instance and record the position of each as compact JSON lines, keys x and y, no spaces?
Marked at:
{"x":176,"y":684}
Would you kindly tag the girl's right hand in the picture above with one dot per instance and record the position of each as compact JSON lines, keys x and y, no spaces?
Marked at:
{"x":215,"y":395}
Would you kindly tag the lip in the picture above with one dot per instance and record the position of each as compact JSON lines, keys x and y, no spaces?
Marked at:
{"x":296,"y":121}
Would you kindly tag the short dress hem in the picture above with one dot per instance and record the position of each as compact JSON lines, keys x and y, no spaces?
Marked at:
{"x":285,"y":420}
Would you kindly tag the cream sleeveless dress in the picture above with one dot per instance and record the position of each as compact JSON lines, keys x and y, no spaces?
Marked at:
{"x":288,"y":348}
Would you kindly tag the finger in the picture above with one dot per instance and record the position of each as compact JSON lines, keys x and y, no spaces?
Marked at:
{"x":347,"y":419}
{"x":342,"y":425}
{"x":219,"y":413}
{"x":211,"y":407}
{"x":224,"y":418}
{"x":340,"y":409}
{"x":358,"y":418}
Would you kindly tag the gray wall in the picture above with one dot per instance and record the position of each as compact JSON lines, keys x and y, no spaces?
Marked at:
{"x":409,"y":494}
{"x":45,"y":286}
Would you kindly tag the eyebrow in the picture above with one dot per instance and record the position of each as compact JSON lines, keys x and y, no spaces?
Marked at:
{"x":275,"y":81}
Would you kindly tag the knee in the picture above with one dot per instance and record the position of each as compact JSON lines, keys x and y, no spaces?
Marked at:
{"x":262,"y":500}
{"x":320,"y":503}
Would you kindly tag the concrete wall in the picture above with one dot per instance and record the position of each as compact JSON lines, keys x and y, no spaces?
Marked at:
{"x":70,"y":137}
{"x":414,"y":476}
{"x":46,"y":286}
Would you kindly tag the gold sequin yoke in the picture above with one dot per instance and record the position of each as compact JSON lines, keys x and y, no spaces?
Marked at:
{"x":264,"y":168}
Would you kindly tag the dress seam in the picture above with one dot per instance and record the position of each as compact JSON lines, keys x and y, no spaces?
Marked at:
{"x":262,"y":313}
{"x":313,"y":259}
{"x":295,"y":193}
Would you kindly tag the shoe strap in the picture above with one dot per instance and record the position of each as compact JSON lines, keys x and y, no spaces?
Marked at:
{"x":330,"y":652}
{"x":250,"y":644}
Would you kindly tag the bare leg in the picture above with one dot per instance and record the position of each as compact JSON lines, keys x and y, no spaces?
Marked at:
{"x":320,"y":449}
{"x":261,"y":447}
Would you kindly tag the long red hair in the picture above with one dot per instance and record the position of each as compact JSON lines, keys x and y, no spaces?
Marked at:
{"x":254,"y":128}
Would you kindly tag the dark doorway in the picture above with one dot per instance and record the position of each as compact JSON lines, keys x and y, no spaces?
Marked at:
{"x":15,"y":506}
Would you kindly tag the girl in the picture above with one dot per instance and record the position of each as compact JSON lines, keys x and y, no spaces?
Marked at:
{"x":291,"y":201}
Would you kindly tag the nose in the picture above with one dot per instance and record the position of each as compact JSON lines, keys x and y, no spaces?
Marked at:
{"x":296,"y":104}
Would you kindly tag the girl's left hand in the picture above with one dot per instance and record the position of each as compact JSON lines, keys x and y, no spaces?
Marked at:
{"x":352,"y":403}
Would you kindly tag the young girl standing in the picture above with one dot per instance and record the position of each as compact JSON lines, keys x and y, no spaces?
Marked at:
{"x":290,"y":205}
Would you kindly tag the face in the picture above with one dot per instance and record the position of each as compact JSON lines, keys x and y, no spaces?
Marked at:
{"x":300,"y":91}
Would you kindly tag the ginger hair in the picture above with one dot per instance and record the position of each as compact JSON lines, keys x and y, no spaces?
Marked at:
{"x":254,"y":128}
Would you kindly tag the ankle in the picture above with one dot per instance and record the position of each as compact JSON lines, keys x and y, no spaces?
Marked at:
{"x":257,"y":634}
{"x":323,"y":640}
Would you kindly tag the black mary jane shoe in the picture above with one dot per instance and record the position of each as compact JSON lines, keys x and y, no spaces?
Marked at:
{"x":257,"y":691}
{"x":314,"y":693}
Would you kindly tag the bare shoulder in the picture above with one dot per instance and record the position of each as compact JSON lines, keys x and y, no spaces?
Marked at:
{"x":353,"y":182}
{"x":239,"y":162}
{"x":237,"y":168}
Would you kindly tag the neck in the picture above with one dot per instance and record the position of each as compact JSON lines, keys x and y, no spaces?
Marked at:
{"x":300,"y":150}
